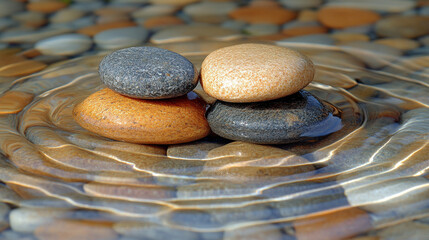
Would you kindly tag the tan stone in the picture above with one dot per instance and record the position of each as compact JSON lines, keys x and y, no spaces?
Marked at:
{"x":339,"y":17}
{"x":94,"y":29}
{"x":14,"y":101}
{"x":169,"y":121}
{"x":274,"y":15}
{"x":71,"y":230}
{"x":255,"y":72}
{"x":46,"y":6}
{"x":21,"y":68}
{"x":402,"y":44}
{"x":299,"y":31}
{"x":344,"y":37}
{"x":162,"y":21}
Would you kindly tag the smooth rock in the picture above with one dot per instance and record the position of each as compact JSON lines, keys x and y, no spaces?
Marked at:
{"x":113,"y":18}
{"x":212,"y":12}
{"x":293,"y":118}
{"x":64,"y":45}
{"x":169,"y":121}
{"x":6,"y":23}
{"x":149,"y":230}
{"x":337,"y":59}
{"x":307,"y":15}
{"x":8,"y":7}
{"x":346,"y":17}
{"x":121,"y":37}
{"x":402,"y":44}
{"x":148,"y":73}
{"x":260,"y":29}
{"x":71,"y":230}
{"x":28,"y":219}
{"x":299,"y":28}
{"x":323,"y":39}
{"x":233,"y":24}
{"x":345,"y":37}
{"x":94,"y":29}
{"x":393,"y":6}
{"x":155,"y":11}
{"x":274,"y":15}
{"x":32,"y":36}
{"x":162,"y":21}
{"x":31,"y":19}
{"x":66,"y":15}
{"x":403,"y":26}
{"x":192,"y":151}
{"x":260,"y":73}
{"x":258,"y":232}
{"x":14,"y":101}
{"x":172,"y":2}
{"x":407,"y":230}
{"x":49,"y":6}
{"x":194,"y":32}
{"x":21,"y":68}
{"x":300,"y":4}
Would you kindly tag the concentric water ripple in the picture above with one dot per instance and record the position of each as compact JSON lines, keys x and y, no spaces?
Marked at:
{"x":367,"y":176}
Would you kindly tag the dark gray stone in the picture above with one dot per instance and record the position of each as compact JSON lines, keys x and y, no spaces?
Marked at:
{"x":148,"y":73}
{"x":297,"y":117}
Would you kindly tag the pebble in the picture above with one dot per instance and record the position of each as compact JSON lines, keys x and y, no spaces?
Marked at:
{"x":155,"y":11}
{"x":8,"y":8}
{"x":402,"y":44}
{"x":211,"y":12}
{"x":307,"y":15}
{"x":32,"y":36}
{"x":255,"y":14}
{"x":393,"y":6}
{"x":45,"y":6}
{"x":147,"y":230}
{"x":258,"y":232}
{"x":337,"y":59}
{"x":192,"y":151}
{"x":64,"y":45}
{"x":169,"y":121}
{"x":66,"y":15}
{"x":148,"y":73}
{"x":345,"y":37}
{"x":338,"y":18}
{"x":194,"y":32}
{"x":162,"y":22}
{"x":405,"y":230}
{"x":259,"y":73}
{"x":322,"y":39}
{"x":300,"y":4}
{"x":94,"y":29}
{"x":260,"y":29}
{"x":172,"y":2}
{"x":30,"y":19}
{"x":14,"y":101}
{"x":129,"y":192}
{"x":303,"y":28}
{"x":28,"y":219}
{"x":6,"y":23}
{"x":71,"y":230}
{"x":403,"y":26}
{"x":121,"y":37}
{"x":294,"y":118}
{"x":336,"y":224}
{"x":22,"y":68}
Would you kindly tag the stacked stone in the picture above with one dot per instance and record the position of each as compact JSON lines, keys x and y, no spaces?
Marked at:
{"x":260,"y":96}
{"x":148,"y":99}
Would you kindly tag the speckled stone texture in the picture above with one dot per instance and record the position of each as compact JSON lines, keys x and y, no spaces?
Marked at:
{"x":255,"y":72}
{"x":148,"y":73}
{"x":293,"y":118}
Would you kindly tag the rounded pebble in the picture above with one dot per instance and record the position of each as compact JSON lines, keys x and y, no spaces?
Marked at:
{"x":337,"y":17}
{"x":403,"y":26}
{"x":254,"y":14}
{"x":148,"y":73}
{"x":64,"y":45}
{"x":280,"y":121}
{"x":120,"y":37}
{"x":260,"y":73}
{"x":118,"y":117}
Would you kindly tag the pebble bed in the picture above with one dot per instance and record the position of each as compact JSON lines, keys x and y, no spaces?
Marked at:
{"x":363,"y":175}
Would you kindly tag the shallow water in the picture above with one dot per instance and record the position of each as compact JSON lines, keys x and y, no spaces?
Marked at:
{"x":365,"y":180}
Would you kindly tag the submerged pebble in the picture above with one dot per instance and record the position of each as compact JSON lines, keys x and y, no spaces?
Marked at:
{"x":297,"y":117}
{"x":148,"y":73}
{"x":64,"y":45}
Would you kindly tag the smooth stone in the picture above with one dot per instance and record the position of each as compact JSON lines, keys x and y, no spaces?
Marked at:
{"x":345,"y":37}
{"x":255,"y":14}
{"x":71,"y":230}
{"x":260,"y":29}
{"x":194,"y":32}
{"x":293,"y":118}
{"x":26,"y":220}
{"x":258,"y":232}
{"x":424,"y":40}
{"x":162,"y":22}
{"x":169,"y":121}
{"x":89,"y":6}
{"x":214,"y":189}
{"x":403,"y":26}
{"x":6,"y":23}
{"x":66,"y":15}
{"x":64,"y":45}
{"x":337,"y":59}
{"x":192,"y":151}
{"x":323,"y":39}
{"x":114,"y":18}
{"x":252,"y":79}
{"x":211,"y":12}
{"x":8,"y":8}
{"x":393,"y":6}
{"x":339,"y":18}
{"x":14,"y":101}
{"x":148,"y":73}
{"x":32,"y":36}
{"x":155,"y":11}
{"x":31,"y":19}
{"x":307,"y":15}
{"x":402,"y":44}
{"x":147,"y":230}
{"x":373,"y":54}
{"x":300,"y":4}
{"x":299,"y":28}
{"x":94,"y":29}
{"x":46,"y":6}
{"x":334,"y":79}
{"x":22,"y":68}
{"x":129,"y":192}
{"x":234,"y":25}
{"x":336,"y":224}
{"x":173,"y":2}
{"x":406,"y":230}
{"x":121,"y":37}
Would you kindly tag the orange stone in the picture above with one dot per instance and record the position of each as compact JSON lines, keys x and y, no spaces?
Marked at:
{"x":30,"y":53}
{"x":10,"y":59}
{"x":332,"y":225}
{"x":299,"y":31}
{"x":21,"y":68}
{"x":341,"y":17}
{"x":94,"y":29}
{"x":162,"y":21}
{"x":274,"y":15}
{"x":167,"y":121}
{"x":14,"y":101}
{"x":46,"y":6}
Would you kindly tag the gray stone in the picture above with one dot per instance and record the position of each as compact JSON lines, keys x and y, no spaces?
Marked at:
{"x":403,"y":26}
{"x":148,"y":73}
{"x":296,"y":117}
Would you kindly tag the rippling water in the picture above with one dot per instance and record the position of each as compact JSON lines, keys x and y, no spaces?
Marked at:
{"x":358,"y":181}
